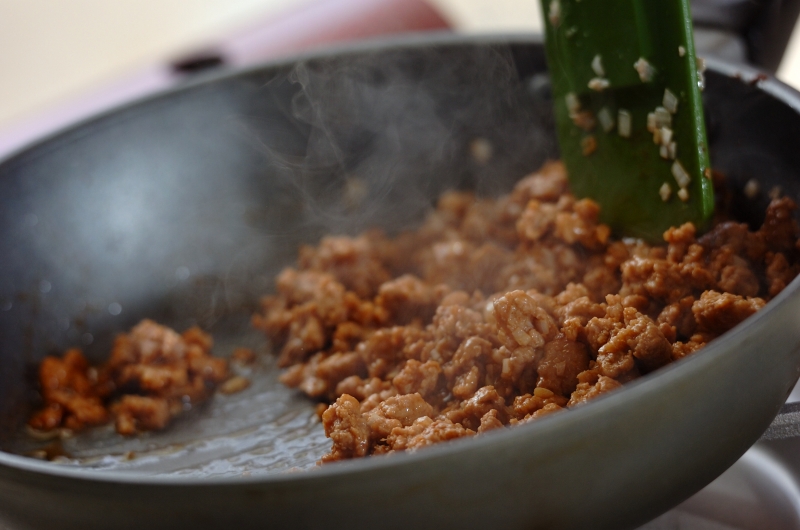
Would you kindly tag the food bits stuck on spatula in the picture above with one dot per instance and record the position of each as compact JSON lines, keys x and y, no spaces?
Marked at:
{"x":624,"y":101}
{"x":644,"y":69}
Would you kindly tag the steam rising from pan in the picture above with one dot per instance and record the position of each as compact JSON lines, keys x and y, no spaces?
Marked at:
{"x":386,"y":133}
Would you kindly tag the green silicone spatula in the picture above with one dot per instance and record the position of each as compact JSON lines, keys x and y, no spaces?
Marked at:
{"x":626,"y":85}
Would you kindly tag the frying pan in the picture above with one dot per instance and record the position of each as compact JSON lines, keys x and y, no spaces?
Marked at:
{"x":183,"y":206}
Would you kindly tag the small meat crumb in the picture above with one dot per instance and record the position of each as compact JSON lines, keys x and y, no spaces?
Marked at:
{"x":245,"y":356}
{"x":234,"y":385}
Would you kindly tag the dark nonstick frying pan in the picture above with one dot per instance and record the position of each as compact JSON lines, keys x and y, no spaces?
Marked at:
{"x":182,"y":208}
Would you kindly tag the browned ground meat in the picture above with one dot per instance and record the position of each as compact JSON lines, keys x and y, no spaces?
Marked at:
{"x":72,"y":393}
{"x":492,"y":313}
{"x":153,"y":374}
{"x":498,"y":312}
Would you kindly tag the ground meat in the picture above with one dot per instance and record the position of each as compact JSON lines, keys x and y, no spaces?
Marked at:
{"x":466,"y":368}
{"x":588,"y":390}
{"x":558,"y":369}
{"x":72,"y":393}
{"x":547,"y":184}
{"x":355,"y":262}
{"x":408,"y":298}
{"x":470,"y":412}
{"x":302,"y":318}
{"x":490,"y":421}
{"x":494,"y":312}
{"x":348,"y":429}
{"x":521,"y":321}
{"x":425,"y":431}
{"x":780,"y":229}
{"x":464,"y":265}
{"x":417,"y":377}
{"x":321,"y":375}
{"x":550,"y":408}
{"x":530,"y":407}
{"x":152,"y":375}
{"x":155,"y":361}
{"x":718,"y":312}
{"x":498,"y":312}
{"x":141,"y":413}
{"x":679,"y":318}
{"x":642,"y":338}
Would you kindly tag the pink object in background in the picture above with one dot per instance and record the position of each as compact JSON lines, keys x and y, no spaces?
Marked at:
{"x":311,"y":26}
{"x":328,"y":21}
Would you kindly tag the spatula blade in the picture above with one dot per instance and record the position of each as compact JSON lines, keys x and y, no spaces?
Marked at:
{"x":627,"y":92}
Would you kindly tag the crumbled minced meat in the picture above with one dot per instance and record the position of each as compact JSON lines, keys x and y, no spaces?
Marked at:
{"x":152,"y":376}
{"x":494,"y":312}
{"x":497,"y":312}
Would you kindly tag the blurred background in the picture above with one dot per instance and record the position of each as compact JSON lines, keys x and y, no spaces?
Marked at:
{"x":51,"y":50}
{"x":61,"y":59}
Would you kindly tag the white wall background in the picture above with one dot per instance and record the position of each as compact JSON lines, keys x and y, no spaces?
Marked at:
{"x":51,"y":50}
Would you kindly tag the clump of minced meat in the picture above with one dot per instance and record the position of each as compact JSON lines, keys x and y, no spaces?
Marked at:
{"x":152,"y":376}
{"x":497,"y":312}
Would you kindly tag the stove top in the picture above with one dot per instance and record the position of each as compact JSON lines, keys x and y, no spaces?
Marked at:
{"x":758,"y":492}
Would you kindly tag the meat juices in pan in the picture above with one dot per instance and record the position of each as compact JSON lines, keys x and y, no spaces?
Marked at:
{"x":494,"y":312}
{"x":500,"y":311}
